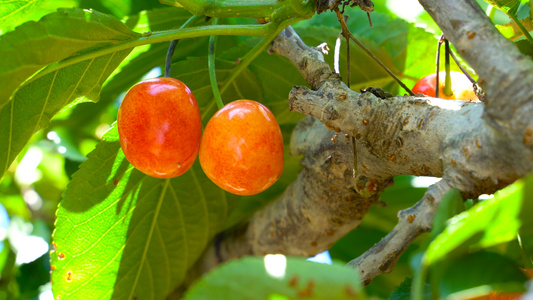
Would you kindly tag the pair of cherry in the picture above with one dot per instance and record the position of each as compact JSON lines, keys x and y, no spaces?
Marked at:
{"x":160,"y":130}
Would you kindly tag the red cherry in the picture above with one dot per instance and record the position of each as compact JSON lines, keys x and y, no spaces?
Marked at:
{"x":242,"y":148}
{"x":160,"y":126}
{"x":461,"y":87}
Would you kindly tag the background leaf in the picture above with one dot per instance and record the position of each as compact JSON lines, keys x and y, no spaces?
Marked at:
{"x":249,"y":278}
{"x":481,"y":271}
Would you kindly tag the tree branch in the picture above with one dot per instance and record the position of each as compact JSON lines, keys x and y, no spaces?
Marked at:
{"x":477,"y":148}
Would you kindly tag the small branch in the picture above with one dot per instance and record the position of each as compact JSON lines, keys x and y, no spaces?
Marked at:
{"x":413,"y":222}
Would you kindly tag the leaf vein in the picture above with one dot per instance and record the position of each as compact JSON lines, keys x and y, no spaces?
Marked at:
{"x":149,"y":238}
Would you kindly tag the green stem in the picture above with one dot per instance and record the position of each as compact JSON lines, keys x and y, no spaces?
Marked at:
{"x":211,"y":67}
{"x":448,"y":91}
{"x":168,"y":62}
{"x":521,"y":27}
{"x":437,"y":68}
{"x":163,"y":36}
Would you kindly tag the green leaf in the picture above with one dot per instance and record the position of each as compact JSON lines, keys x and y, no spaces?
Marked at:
{"x":256,"y":278}
{"x":37,"y":101}
{"x":489,"y":223}
{"x":121,"y":234}
{"x":14,"y":10}
{"x":507,"y":6}
{"x":63,"y":34}
{"x":480,"y":273}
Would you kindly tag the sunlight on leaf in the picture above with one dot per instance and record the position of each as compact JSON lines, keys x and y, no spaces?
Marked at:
{"x":118,"y":229}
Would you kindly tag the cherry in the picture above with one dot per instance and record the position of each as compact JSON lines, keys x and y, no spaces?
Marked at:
{"x":461,"y":87}
{"x":160,"y":126}
{"x":242,"y":148}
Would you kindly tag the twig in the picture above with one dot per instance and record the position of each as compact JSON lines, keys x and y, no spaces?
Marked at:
{"x":348,"y":34}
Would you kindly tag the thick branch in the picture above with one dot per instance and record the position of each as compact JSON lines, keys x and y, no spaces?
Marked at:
{"x":410,"y":135}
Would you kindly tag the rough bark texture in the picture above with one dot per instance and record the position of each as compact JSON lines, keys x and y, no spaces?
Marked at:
{"x":477,"y":148}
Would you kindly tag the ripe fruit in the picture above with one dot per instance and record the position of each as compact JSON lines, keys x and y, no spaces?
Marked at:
{"x":461,"y":86}
{"x":242,"y":148}
{"x":160,"y":127}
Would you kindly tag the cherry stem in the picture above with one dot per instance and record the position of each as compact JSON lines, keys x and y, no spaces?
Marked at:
{"x":168,"y":61}
{"x":348,"y":34}
{"x":348,"y":59}
{"x":457,"y":62}
{"x":437,"y":68}
{"x":212,"y":69}
{"x":172,"y":47}
{"x":462,"y":68}
{"x":448,"y":79}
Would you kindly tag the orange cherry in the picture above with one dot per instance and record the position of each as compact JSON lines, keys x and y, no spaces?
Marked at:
{"x":461,"y":87}
{"x":160,"y":126}
{"x":242,"y":148}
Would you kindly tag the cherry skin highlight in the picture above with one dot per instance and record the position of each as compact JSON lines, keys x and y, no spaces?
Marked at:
{"x":242,"y":148}
{"x":461,"y":86}
{"x":160,"y":126}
